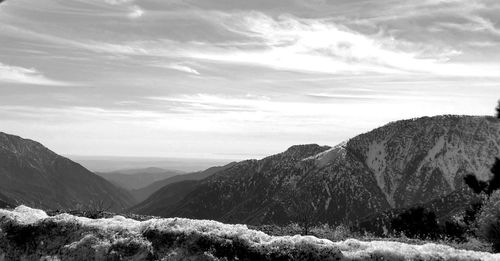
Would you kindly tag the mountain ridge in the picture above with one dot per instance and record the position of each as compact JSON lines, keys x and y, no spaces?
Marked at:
{"x":400,"y":164}
{"x":145,"y":192}
{"x":34,"y":175}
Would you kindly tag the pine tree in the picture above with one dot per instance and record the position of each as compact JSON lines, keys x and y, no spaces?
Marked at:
{"x":491,"y":185}
{"x":498,"y":109}
{"x":476,"y":185}
{"x":494,"y":182}
{"x":489,"y":216}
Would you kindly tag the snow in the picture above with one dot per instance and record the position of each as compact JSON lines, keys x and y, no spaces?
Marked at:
{"x":70,"y":237}
{"x":355,"y":249}
{"x":26,"y":215}
{"x":327,"y":202}
{"x":326,"y":157}
{"x":376,"y":161}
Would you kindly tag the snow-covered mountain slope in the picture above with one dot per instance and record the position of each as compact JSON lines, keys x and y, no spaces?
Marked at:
{"x":400,"y":164}
{"x":29,"y":234}
{"x":31,"y":174}
{"x":417,"y":160}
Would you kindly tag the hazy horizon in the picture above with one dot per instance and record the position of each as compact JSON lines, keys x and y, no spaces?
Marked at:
{"x":238,"y":79}
{"x":117,"y":163}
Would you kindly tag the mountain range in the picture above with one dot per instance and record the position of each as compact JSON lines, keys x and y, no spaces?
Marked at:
{"x":401,"y":164}
{"x":145,"y":192}
{"x":132,"y":179}
{"x":33,"y":175}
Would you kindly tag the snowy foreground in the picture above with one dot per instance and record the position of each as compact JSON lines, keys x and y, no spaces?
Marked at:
{"x":30,"y":234}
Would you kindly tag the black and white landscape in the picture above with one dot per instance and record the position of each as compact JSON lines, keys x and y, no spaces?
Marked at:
{"x":249,"y":130}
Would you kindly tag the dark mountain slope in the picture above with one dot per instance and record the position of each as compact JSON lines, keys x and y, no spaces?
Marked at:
{"x":166,"y":197}
{"x":6,"y":202}
{"x":256,"y":191}
{"x":33,"y":175}
{"x":252,"y":185}
{"x":446,"y":208}
{"x":143,"y":193}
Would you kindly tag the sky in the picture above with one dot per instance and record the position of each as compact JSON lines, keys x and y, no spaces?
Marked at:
{"x":237,"y":79}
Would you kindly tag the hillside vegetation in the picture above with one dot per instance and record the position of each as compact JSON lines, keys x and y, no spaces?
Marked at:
{"x":30,"y":234}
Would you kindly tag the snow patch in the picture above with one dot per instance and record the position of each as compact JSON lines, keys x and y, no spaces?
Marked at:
{"x":327,"y":202}
{"x":324,"y":158}
{"x":26,"y":215}
{"x":376,"y":161}
{"x":387,"y":250}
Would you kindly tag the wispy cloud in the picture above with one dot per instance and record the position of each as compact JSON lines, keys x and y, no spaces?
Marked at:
{"x":213,"y":103}
{"x":118,"y":2}
{"x":296,"y":44}
{"x":135,"y":11}
{"x":16,"y":74}
{"x":311,"y":46}
{"x":180,"y":68}
{"x":316,"y":45}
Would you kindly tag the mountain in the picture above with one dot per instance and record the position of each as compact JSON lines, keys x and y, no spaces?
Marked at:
{"x":131,"y":179}
{"x":33,"y":175}
{"x":143,"y":193}
{"x":167,"y":196}
{"x":400,"y":164}
{"x":5,"y":202}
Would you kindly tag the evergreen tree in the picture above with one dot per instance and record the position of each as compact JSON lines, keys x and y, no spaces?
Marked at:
{"x":476,"y":185}
{"x":416,"y":222}
{"x":498,"y":109}
{"x":491,"y":185}
{"x":489,"y":219}
{"x":494,"y":182}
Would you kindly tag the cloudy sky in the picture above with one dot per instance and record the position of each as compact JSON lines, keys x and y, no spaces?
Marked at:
{"x":237,"y":78}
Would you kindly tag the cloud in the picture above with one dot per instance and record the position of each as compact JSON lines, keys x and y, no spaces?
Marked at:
{"x":118,"y":2}
{"x":16,"y":74}
{"x":181,"y":68}
{"x":294,"y":44}
{"x":319,"y":45}
{"x":135,"y":12}
{"x":212,"y":103}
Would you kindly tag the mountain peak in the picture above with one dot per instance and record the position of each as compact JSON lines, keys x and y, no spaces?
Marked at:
{"x":20,"y":145}
{"x":302,"y":151}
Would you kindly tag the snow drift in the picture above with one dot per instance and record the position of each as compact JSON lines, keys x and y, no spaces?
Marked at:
{"x":30,"y":234}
